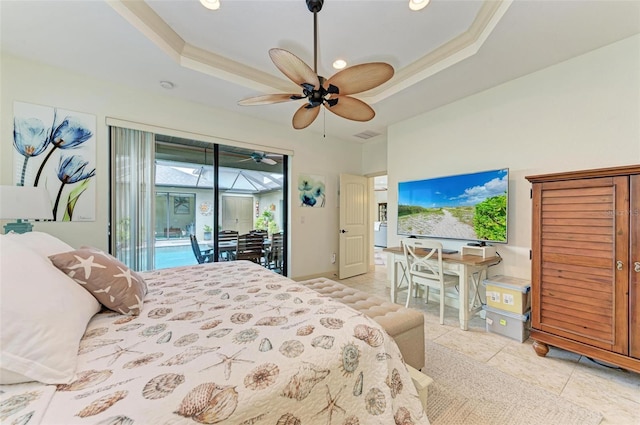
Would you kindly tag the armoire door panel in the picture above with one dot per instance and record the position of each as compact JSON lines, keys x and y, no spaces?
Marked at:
{"x":634,"y":267}
{"x":578,"y":232}
{"x":622,"y":253}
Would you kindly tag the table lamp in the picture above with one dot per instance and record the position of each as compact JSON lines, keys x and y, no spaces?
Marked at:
{"x":23,"y":203}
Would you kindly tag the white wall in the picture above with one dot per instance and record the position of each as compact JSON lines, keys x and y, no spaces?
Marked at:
{"x":380,"y":196}
{"x":580,"y":114}
{"x":374,"y":157}
{"x":312,"y":242}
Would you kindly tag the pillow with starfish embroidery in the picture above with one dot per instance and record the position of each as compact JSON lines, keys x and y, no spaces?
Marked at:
{"x":112,"y":283}
{"x":133,"y":273}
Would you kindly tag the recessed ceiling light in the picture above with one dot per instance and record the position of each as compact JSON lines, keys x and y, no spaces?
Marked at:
{"x":416,"y":4}
{"x":339,"y":64}
{"x":211,"y":4}
{"x":167,"y":85}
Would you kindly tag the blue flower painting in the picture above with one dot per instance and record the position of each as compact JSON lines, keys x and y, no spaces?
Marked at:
{"x":55,"y":149}
{"x":311,"y":191}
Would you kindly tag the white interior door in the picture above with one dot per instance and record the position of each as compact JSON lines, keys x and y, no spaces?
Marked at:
{"x":354,"y":226}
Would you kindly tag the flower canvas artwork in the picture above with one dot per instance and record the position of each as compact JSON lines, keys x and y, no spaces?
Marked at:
{"x":311,"y":191}
{"x":56,"y":149}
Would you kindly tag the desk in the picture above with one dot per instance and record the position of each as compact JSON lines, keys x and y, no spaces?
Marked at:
{"x":469,"y":268}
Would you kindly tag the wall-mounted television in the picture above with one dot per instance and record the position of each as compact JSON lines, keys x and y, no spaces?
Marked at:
{"x":470,"y":207}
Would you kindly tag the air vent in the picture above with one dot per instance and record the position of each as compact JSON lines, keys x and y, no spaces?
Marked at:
{"x":367,"y":134}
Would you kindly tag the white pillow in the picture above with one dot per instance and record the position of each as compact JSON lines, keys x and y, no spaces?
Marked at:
{"x":43,"y":315}
{"x":40,"y":242}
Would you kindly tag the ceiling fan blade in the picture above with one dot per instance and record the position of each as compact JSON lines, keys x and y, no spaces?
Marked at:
{"x":294,"y":68}
{"x":352,"y":109}
{"x":304,"y":117}
{"x":359,"y":78}
{"x":268,"y":161}
{"x":268,"y":99}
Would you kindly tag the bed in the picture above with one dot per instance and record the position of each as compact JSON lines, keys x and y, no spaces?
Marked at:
{"x":228,"y":342}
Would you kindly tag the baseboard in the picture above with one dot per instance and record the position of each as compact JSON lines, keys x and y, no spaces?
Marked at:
{"x":333,"y":274}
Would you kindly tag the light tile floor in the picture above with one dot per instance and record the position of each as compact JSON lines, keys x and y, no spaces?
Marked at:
{"x":614,"y":393}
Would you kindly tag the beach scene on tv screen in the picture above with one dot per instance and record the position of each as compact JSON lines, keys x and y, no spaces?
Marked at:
{"x":467,"y":206}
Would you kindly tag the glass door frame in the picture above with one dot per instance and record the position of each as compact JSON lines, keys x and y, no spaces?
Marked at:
{"x":216,"y":186}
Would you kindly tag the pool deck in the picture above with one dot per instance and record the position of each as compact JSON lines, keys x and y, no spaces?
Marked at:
{"x":172,"y":242}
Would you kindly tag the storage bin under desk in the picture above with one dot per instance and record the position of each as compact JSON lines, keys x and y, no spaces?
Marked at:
{"x":514,"y":326}
{"x":508,"y":293}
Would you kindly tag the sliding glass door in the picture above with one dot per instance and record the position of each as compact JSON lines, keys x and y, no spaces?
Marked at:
{"x":202,"y":191}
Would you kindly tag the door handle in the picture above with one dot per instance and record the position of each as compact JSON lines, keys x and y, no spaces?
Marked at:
{"x":344,"y":231}
{"x":636,"y":267}
{"x":619,"y":265}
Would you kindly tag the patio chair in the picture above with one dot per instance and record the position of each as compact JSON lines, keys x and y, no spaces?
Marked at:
{"x":275,"y":253}
{"x":250,"y":247}
{"x":227,"y":245}
{"x":203,"y":256}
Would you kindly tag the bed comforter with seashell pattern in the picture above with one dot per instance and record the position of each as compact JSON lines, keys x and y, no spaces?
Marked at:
{"x":229,"y":343}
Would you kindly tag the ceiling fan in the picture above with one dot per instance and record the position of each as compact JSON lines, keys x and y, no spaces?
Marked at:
{"x":261,"y":157}
{"x":333,"y":93}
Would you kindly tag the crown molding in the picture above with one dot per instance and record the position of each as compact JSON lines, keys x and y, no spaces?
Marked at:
{"x":151,"y":25}
{"x":457,"y":49}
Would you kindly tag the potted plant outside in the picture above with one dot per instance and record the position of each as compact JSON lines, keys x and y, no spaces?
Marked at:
{"x":266,"y":222}
{"x":207,"y":232}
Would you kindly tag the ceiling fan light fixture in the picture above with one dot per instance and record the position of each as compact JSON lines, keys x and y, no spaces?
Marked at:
{"x":416,"y":5}
{"x":211,"y":4}
{"x":339,"y":64}
{"x":333,"y":93}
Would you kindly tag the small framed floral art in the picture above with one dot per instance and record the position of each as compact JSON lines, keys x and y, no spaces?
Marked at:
{"x":311,"y":191}
{"x":56,"y":149}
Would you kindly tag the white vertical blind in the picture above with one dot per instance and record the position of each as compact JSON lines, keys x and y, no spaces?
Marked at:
{"x":132,"y":195}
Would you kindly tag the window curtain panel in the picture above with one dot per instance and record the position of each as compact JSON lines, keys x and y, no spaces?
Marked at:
{"x":132,"y":195}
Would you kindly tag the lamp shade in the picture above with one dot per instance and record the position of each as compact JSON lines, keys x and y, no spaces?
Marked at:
{"x":416,"y":5}
{"x":25,"y":202}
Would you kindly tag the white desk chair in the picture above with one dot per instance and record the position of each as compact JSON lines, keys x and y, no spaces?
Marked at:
{"x":404,"y":269}
{"x":398,"y":264}
{"x":424,"y":264}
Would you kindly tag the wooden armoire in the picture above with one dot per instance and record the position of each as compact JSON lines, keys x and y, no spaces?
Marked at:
{"x":585,"y":280}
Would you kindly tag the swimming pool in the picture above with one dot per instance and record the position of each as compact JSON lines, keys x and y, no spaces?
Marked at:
{"x":174,"y":256}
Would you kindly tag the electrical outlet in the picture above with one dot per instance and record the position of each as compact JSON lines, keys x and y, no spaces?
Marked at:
{"x":333,"y":258}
